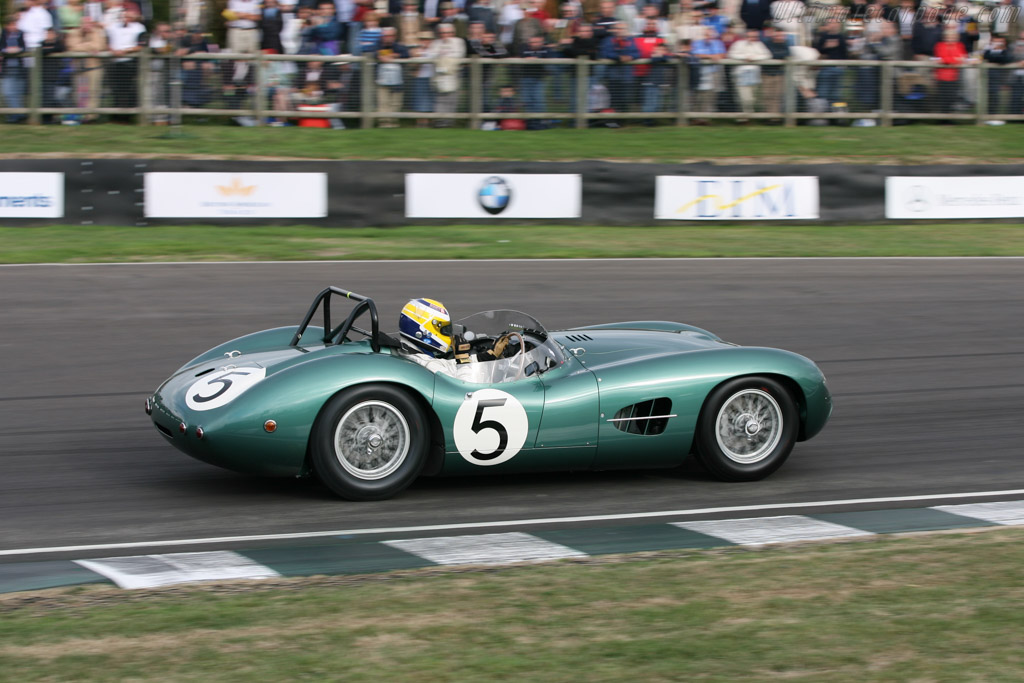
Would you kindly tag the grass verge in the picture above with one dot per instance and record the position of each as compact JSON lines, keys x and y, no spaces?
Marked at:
{"x":936,"y":608}
{"x":904,"y":144}
{"x":78,"y":244}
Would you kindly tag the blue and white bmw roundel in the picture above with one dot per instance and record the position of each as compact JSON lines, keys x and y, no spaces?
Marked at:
{"x":495,"y":195}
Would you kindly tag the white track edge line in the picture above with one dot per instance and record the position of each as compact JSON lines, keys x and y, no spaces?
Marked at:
{"x":518,"y":260}
{"x":504,"y":523}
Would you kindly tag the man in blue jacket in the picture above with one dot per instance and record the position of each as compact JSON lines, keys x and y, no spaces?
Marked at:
{"x":13,"y":77}
{"x":621,"y":49}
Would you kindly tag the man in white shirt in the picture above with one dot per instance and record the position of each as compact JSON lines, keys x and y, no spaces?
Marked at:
{"x":243,"y":34}
{"x":446,"y":51}
{"x":35,"y":23}
{"x":124,"y":39}
{"x":746,"y":77}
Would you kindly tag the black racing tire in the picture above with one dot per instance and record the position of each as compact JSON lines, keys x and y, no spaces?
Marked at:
{"x":370,"y":442}
{"x":747,"y":428}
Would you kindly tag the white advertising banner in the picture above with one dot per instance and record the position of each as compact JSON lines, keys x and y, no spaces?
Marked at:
{"x":485,"y":195}
{"x":761,"y":198}
{"x":236,"y":195}
{"x":31,"y":195}
{"x":954,"y":197}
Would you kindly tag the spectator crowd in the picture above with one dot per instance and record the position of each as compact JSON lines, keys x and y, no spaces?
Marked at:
{"x":642,"y":44}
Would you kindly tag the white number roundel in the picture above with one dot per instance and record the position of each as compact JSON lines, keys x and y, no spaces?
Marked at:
{"x":490,"y":427}
{"x":222,"y":387}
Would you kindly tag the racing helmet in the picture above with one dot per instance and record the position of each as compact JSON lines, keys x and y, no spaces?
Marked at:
{"x":426,"y":326}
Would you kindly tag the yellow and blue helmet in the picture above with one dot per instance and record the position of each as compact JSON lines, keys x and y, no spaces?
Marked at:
{"x":426,"y":325}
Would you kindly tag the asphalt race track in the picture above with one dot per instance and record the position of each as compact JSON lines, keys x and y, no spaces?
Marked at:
{"x":925,"y":359}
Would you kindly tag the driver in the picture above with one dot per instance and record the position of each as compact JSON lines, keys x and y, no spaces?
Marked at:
{"x":425,"y":325}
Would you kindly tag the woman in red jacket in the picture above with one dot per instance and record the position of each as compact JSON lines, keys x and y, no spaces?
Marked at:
{"x":949,"y":51}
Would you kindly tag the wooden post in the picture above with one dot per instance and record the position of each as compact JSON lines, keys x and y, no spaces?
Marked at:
{"x":582,"y":90}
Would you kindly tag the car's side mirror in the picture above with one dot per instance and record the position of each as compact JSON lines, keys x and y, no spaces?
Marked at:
{"x":532,"y":369}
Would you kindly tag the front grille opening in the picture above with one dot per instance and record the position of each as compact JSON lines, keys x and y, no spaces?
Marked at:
{"x":647,"y":418}
{"x":164,"y":430}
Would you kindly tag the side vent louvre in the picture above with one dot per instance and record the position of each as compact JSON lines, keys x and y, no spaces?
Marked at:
{"x":579,"y":337}
{"x":646,"y":418}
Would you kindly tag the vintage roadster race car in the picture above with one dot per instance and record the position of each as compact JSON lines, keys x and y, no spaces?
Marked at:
{"x":368,"y":415}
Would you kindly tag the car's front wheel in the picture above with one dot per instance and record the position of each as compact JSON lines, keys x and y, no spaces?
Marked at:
{"x":747,"y":428}
{"x":370,"y":442}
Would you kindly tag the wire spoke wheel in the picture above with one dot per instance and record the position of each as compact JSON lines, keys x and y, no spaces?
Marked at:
{"x":372,"y":440}
{"x":749,"y":426}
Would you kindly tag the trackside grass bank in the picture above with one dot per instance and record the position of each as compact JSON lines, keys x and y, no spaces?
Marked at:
{"x":902,"y":144}
{"x":78,"y":244}
{"x":933,"y":608}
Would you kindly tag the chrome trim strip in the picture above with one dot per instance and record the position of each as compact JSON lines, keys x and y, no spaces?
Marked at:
{"x":632,"y":419}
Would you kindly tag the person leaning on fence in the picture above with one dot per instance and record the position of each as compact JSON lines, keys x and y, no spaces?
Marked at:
{"x":532,"y":77}
{"x":446,"y":52}
{"x":484,"y":45}
{"x":747,"y":77}
{"x":194,"y":93}
{"x":13,"y":74}
{"x":389,"y":75}
{"x":422,"y":92}
{"x":161,"y":44}
{"x":621,"y":48}
{"x":773,"y":77}
{"x":997,"y":55}
{"x":709,"y":51}
{"x":831,"y":44}
{"x":1017,"y":77}
{"x":652,"y":77}
{"x":950,"y":51}
{"x":88,"y":84}
{"x":125,"y":40}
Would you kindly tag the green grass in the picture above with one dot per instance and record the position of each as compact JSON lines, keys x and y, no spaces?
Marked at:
{"x":919,"y":143}
{"x":77,"y":244}
{"x":935,"y":608}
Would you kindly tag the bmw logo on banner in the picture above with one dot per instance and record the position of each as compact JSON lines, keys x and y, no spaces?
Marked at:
{"x":494,"y":195}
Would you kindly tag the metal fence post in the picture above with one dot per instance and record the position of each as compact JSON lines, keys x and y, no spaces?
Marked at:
{"x":682,"y":93}
{"x":582,"y":89}
{"x":366,"y":91}
{"x":142,"y":83}
{"x":886,"y":94}
{"x":259,"y":98}
{"x":789,"y":94}
{"x":982,"y":100}
{"x":35,"y":86}
{"x":476,"y":91}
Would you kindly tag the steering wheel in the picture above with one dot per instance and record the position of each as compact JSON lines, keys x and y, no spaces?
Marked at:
{"x":503,"y":342}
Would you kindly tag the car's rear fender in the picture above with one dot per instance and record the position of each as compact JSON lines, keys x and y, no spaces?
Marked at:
{"x":234,"y":435}
{"x":265,"y":340}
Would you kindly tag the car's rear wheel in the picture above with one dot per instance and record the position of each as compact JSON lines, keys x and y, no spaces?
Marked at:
{"x":747,"y":429}
{"x":370,"y":442}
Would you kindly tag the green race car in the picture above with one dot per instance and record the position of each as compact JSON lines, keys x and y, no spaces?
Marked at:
{"x":368,"y":414}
